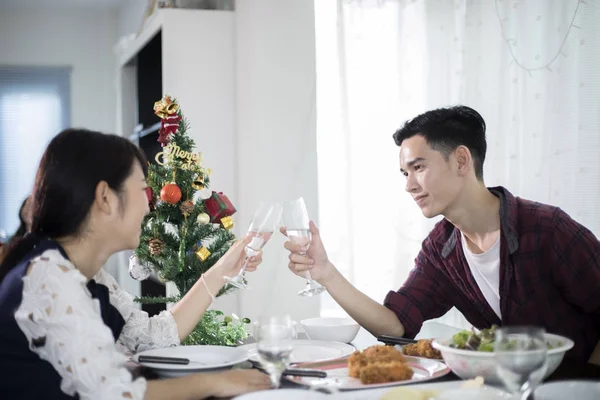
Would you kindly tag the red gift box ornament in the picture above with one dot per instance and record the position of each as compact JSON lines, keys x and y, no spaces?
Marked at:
{"x":150,"y":196}
{"x":218,"y":206}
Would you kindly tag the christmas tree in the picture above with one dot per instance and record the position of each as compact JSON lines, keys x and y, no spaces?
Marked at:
{"x":188,"y":228}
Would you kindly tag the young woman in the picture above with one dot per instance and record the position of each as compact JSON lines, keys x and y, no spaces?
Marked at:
{"x":61,"y":315}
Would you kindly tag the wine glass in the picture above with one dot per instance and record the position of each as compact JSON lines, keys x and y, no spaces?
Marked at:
{"x":274,"y":344}
{"x":521,"y":358}
{"x":295,"y":218}
{"x":265,"y":220}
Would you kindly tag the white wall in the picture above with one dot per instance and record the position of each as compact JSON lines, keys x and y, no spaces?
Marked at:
{"x":276,"y":136}
{"x":81,"y":39}
{"x":130,"y":16}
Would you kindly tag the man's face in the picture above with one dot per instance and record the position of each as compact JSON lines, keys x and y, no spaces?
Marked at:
{"x":432,"y":181}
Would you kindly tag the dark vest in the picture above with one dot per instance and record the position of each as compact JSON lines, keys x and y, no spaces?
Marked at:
{"x":23,"y":374}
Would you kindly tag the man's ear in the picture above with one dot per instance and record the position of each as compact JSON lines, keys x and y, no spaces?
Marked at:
{"x":104,"y":198}
{"x":464,"y":161}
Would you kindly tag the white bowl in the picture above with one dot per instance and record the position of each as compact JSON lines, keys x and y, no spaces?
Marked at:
{"x":480,"y":393}
{"x":469,"y":364}
{"x":334,"y":329}
{"x":580,"y":390}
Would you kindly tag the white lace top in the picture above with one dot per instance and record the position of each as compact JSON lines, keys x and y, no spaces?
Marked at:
{"x":57,"y":307}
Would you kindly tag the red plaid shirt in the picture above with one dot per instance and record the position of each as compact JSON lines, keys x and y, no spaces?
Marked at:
{"x":549,"y":276}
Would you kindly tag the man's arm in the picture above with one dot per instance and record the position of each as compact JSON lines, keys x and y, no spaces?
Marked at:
{"x":575,"y":256}
{"x":374,"y":317}
{"x":423,"y":296}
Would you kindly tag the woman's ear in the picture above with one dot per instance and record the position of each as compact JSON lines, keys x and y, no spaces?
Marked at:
{"x":105,"y":198}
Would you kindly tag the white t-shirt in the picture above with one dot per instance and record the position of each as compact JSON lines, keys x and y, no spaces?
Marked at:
{"x":485,"y":268}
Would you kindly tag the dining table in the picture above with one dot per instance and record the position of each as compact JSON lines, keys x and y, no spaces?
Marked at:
{"x":431,"y":329}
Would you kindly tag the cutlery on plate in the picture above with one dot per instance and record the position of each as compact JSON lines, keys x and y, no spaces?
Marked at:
{"x":387,"y":339}
{"x":315,"y":373}
{"x":167,"y":360}
{"x":306,"y":372}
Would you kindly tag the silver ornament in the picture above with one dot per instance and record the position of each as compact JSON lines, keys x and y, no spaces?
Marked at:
{"x":137,"y":270}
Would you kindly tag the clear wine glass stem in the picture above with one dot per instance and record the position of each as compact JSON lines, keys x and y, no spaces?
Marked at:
{"x":238,"y":280}
{"x":527,"y":391}
{"x":308,"y":278}
{"x":243,"y":270}
{"x":307,"y":274}
{"x":275,"y":375}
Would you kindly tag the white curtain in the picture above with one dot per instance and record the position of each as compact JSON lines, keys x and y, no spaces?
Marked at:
{"x":531,"y":68}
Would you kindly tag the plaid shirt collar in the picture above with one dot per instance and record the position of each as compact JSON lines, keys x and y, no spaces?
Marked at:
{"x":508,"y":222}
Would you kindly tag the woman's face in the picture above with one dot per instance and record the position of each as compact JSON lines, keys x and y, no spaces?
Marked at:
{"x":134,"y":207}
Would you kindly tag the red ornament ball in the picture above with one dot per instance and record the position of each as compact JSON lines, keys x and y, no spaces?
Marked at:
{"x":170,"y":193}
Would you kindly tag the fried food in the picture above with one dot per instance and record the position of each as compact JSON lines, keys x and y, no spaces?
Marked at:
{"x":380,"y":353}
{"x":379,"y":364}
{"x":422,"y":348}
{"x":381,"y":372}
{"x":356,"y":361}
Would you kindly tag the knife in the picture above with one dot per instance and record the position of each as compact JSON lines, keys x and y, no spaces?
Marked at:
{"x":306,"y":372}
{"x":387,"y":339}
{"x":167,"y":360}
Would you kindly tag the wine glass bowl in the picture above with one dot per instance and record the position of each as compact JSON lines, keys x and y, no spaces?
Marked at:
{"x":274,"y":344}
{"x":521,"y":354}
{"x":263,"y":224}
{"x":297,"y":224}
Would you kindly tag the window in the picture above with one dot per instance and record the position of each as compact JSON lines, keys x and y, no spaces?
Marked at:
{"x":34,"y":107}
{"x":530,"y":69}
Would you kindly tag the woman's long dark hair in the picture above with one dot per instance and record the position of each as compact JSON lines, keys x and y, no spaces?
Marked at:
{"x":74,"y":162}
{"x":23,"y":219}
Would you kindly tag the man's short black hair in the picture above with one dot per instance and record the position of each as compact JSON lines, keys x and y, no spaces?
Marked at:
{"x":445,"y":129}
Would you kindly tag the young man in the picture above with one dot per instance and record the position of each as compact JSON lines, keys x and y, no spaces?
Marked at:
{"x":498,"y":258}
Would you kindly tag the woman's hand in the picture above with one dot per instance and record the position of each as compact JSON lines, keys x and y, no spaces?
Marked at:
{"x":231,"y":262}
{"x":237,"y":381}
{"x":188,"y":311}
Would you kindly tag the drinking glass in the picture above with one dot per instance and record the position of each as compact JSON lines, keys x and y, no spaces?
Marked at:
{"x":274,"y":343}
{"x":295,"y":218}
{"x":265,"y":221}
{"x":521,"y":358}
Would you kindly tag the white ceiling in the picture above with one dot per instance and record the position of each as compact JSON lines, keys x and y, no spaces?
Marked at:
{"x":63,"y":4}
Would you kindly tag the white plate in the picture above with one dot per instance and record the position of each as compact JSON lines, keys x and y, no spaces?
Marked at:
{"x":441,"y":390}
{"x":337,"y":374}
{"x":580,"y":390}
{"x":308,"y":351}
{"x":484,"y":392}
{"x":202,"y":359}
{"x":287,"y":394}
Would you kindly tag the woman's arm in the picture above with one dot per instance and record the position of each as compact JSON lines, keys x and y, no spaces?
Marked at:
{"x":62,"y":323}
{"x":170,"y":327}
{"x":188,"y":311}
{"x":200,"y":386}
